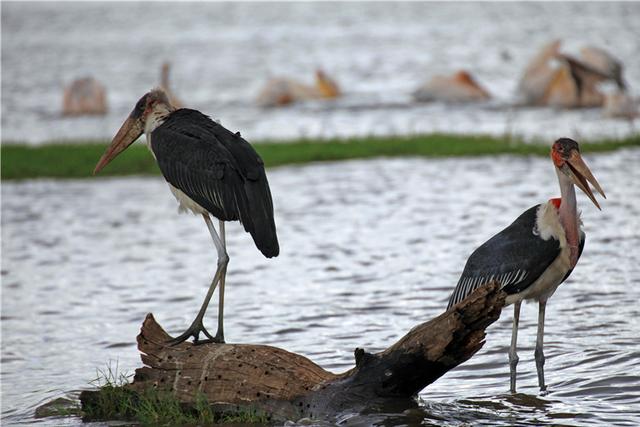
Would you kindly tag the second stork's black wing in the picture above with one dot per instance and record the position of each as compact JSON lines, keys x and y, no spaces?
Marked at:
{"x":515,"y":258}
{"x":218,"y":170}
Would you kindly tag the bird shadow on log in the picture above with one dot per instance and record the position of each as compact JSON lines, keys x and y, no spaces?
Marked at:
{"x":288,"y":386}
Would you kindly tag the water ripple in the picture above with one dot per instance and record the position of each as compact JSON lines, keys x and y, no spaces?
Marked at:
{"x":359,"y":274}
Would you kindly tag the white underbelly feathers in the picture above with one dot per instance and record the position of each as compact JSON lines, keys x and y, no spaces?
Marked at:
{"x":547,"y":283}
{"x":548,"y":227}
{"x":186,"y":203}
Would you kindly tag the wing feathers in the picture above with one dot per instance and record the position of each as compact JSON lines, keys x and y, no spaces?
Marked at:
{"x":515,"y":258}
{"x":218,"y":170}
{"x":467,"y":285}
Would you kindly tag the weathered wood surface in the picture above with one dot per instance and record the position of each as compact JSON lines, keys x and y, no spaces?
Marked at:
{"x":290,"y":386}
{"x":229,"y":375}
{"x":419,"y":358}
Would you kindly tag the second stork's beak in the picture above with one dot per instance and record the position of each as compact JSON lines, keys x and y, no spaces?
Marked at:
{"x":130,"y":130}
{"x":582,"y":176}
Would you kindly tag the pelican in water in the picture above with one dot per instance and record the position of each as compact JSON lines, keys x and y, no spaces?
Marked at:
{"x":538,"y":74}
{"x":618,"y":104}
{"x":84,"y":96}
{"x":460,"y":87}
{"x":557,"y":79}
{"x":164,"y":85}
{"x":283,"y":91}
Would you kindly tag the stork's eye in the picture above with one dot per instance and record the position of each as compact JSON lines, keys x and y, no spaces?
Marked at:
{"x":139,"y":108}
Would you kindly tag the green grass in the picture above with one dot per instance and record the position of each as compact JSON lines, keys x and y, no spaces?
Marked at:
{"x":77,"y":160}
{"x":114,"y":401}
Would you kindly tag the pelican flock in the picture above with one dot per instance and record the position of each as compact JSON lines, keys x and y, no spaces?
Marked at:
{"x":557,"y":79}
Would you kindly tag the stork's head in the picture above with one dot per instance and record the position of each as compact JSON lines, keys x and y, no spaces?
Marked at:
{"x":149,"y":112}
{"x":565,"y":154}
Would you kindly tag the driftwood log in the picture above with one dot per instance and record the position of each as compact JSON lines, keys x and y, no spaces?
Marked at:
{"x":238,"y":377}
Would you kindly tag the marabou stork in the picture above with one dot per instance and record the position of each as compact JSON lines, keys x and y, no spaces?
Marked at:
{"x":210,"y":171}
{"x":534,"y":255}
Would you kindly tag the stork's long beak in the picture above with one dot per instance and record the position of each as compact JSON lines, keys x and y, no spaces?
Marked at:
{"x":582,"y":176}
{"x":130,"y":130}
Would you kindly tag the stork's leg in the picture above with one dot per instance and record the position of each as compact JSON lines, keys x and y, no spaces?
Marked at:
{"x":219,"y":338}
{"x":513,"y":355}
{"x":539,"y":355}
{"x":197,"y":326}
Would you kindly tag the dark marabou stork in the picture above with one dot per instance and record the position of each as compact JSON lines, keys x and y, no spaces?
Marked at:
{"x":534,"y":255}
{"x":210,"y":171}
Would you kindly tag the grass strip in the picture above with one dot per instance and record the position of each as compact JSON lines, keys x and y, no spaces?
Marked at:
{"x":77,"y":160}
{"x":154,"y":407}
{"x":114,"y":400}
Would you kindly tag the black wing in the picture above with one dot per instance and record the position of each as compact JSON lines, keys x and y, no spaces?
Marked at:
{"x":219,"y":170}
{"x":515,"y":258}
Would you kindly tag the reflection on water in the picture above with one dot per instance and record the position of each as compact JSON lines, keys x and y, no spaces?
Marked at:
{"x":369,"y":249}
{"x":222,"y":54}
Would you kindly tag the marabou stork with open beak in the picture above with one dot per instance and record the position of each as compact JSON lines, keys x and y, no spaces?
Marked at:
{"x":534,"y":255}
{"x":210,"y":171}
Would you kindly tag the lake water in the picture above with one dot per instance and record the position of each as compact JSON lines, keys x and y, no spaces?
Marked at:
{"x":368,"y":250}
{"x":223,"y":53}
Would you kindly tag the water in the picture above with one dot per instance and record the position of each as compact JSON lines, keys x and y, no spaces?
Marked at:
{"x":369,"y":249}
{"x":379,"y":52}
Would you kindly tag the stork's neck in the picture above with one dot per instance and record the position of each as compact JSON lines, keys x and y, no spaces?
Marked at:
{"x":568,"y":214}
{"x":156,"y":118}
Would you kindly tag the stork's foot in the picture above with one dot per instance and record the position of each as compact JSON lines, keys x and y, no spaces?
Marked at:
{"x":540,"y":359}
{"x":218,"y":339}
{"x":193,"y":331}
{"x":209,"y":341}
